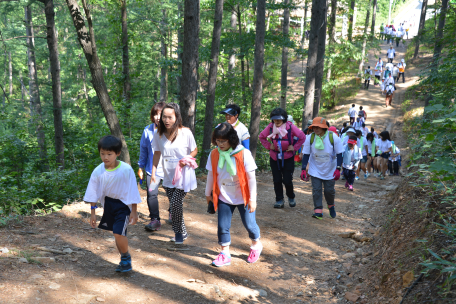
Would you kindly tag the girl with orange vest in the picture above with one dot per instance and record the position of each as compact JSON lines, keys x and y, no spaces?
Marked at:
{"x":231,"y":180}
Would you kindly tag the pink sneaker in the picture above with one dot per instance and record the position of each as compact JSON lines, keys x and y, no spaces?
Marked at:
{"x":222,"y":260}
{"x":254,"y":255}
{"x":350,"y":187}
{"x":346,"y":184}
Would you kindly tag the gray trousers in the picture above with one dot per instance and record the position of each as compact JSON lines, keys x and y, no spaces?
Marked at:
{"x":317,"y":189}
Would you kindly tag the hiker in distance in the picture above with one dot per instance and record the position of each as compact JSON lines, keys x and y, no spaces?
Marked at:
{"x":323,"y":151}
{"x":232,"y":113}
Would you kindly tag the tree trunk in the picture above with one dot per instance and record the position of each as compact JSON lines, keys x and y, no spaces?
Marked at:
{"x":257,"y":75}
{"x":56,"y":86}
{"x":87,"y":41}
{"x":320,"y":60}
{"x":10,"y":74}
{"x":126,"y":66}
{"x":232,"y":53}
{"x":284,"y":80}
{"x":242,"y":57}
{"x":210,"y":99}
{"x":303,"y":38}
{"x":350,"y":20}
{"x":318,"y":17}
{"x":331,"y":34}
{"x":23,"y":89}
{"x":35,"y":102}
{"x":363,"y":52}
{"x":374,"y":13}
{"x":189,"y":83}
{"x":420,"y":28}
{"x":439,"y":36}
{"x":164,"y":57}
{"x":180,"y":41}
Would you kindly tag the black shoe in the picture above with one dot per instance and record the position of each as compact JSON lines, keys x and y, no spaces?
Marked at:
{"x":279,"y":204}
{"x":125,"y":264}
{"x":292,"y":202}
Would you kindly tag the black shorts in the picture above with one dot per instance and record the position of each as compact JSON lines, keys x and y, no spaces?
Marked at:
{"x":377,"y":76}
{"x":116,"y":216}
{"x":385,"y":155}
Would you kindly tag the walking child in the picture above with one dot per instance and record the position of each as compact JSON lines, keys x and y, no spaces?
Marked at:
{"x":113,"y":185}
{"x":384,"y":148}
{"x":362,"y":144}
{"x":371,"y":153}
{"x":352,"y":157}
{"x":394,"y":161}
{"x":231,"y":185}
{"x":367,"y":77}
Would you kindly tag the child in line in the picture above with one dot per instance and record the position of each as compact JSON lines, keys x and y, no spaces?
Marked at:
{"x":362,"y":144}
{"x":352,"y":157}
{"x":394,"y":161}
{"x":371,"y":154}
{"x":384,"y":150}
{"x":231,"y":180}
{"x":113,"y":184}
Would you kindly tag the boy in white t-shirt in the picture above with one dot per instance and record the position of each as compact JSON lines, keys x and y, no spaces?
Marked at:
{"x":323,"y":151}
{"x":352,"y":156}
{"x":352,"y":114}
{"x":394,"y":161}
{"x":113,"y":184}
{"x":362,"y":144}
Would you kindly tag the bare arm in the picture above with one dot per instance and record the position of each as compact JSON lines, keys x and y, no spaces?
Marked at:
{"x":155,"y":160}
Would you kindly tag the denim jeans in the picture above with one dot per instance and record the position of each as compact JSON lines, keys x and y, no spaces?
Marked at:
{"x":225,"y":213}
{"x":152,"y":198}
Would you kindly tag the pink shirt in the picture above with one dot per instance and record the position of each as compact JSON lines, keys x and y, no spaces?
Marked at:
{"x":295,"y":132}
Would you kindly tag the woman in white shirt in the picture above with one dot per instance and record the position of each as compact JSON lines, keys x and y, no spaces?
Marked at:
{"x":384,"y":149}
{"x":177,"y":147}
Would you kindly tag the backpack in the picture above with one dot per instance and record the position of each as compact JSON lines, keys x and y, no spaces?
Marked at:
{"x":361,"y":113}
{"x":389,"y":90}
{"x":367,"y":74}
{"x":387,"y":72}
{"x":331,"y":138}
{"x":289,"y":138}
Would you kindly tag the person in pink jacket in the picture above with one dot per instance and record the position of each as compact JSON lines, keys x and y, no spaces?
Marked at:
{"x":282,"y":139}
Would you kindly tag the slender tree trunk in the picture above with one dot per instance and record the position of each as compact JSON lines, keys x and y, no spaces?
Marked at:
{"x":87,"y":41}
{"x":320,"y":60}
{"x":318,"y":17}
{"x":363,"y":52}
{"x":331,"y":34}
{"x":284,"y":80}
{"x":210,"y":99}
{"x":56,"y":86}
{"x":420,"y":28}
{"x":232,"y":59}
{"x":258,"y":75}
{"x":10,"y":74}
{"x":242,"y":57}
{"x":164,"y":53}
{"x":180,"y":42}
{"x":439,"y":35}
{"x":304,"y":26}
{"x":126,"y":66}
{"x":189,"y":83}
{"x":350,"y":20}
{"x":374,"y":13}
{"x":23,"y":89}
{"x":35,"y":102}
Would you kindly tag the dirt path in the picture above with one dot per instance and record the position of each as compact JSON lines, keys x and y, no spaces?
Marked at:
{"x":304,"y":260}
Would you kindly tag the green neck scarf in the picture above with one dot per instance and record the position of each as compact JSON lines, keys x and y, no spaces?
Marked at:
{"x":373,"y":148}
{"x":394,"y":148}
{"x":319,"y":141}
{"x":225,"y":156}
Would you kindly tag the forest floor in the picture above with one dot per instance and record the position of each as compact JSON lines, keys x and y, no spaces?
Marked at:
{"x":304,"y":260}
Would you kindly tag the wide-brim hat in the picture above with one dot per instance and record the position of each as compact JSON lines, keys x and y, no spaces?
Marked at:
{"x":229,"y":111}
{"x":319,"y":122}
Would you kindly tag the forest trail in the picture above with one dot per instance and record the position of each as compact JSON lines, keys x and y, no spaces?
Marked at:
{"x":304,"y":260}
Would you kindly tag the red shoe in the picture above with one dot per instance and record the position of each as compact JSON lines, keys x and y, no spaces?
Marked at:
{"x":254,"y":255}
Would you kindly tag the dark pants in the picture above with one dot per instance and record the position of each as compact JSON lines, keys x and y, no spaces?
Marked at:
{"x":152,"y":198}
{"x":393,"y":167}
{"x":283,"y":176}
{"x":349,"y":176}
{"x":352,"y":120}
{"x":398,"y":40}
{"x":399,"y":76}
{"x":319,"y":187}
{"x":366,"y":83}
{"x":390,"y":60}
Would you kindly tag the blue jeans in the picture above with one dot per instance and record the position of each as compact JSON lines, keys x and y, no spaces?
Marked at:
{"x":225,"y":213}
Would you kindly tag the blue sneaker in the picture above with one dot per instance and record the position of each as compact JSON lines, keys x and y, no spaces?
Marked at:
{"x":279,"y":204}
{"x":332,"y":212}
{"x":292,"y":202}
{"x":125,"y":264}
{"x":357,"y":178}
{"x":318,"y":216}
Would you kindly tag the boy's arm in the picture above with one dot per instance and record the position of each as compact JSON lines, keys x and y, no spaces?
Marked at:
{"x":133,"y":214}
{"x":93,"y":216}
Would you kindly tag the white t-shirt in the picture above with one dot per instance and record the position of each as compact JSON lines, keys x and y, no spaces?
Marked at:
{"x":242,"y":131}
{"x":321,"y":162}
{"x":395,"y":71}
{"x":352,"y":112}
{"x":383,"y":145}
{"x":398,"y":157}
{"x":119,"y":183}
{"x":365,"y":131}
{"x":364,"y":144}
{"x":171,"y":153}
{"x":391,"y":53}
{"x":357,"y":125}
{"x":375,"y":134}
{"x":230,"y":189}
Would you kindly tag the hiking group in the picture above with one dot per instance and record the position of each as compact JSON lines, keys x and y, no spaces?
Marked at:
{"x":167,"y":156}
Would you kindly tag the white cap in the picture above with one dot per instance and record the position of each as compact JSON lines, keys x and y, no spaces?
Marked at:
{"x":402,"y":60}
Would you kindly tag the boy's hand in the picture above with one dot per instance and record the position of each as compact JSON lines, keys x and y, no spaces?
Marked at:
{"x":93,"y":220}
{"x":252,"y":205}
{"x":133,"y":218}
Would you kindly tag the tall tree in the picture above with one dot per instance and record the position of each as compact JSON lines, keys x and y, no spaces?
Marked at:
{"x":164,"y":57}
{"x":232,"y":53}
{"x":332,"y":35}
{"x":210,"y":99}
{"x":242,"y":57}
{"x":257,"y":75}
{"x":125,"y":65}
{"x":374,"y":13}
{"x":318,"y":17}
{"x":320,"y":60}
{"x":304,"y":25}
{"x":10,"y":74}
{"x":87,"y":41}
{"x":420,"y":28}
{"x":189,"y":83}
{"x":351,"y":19}
{"x":56,"y":86}
{"x":284,"y":78}
{"x":363,"y":52}
{"x":35,"y":102}
{"x":439,"y":35}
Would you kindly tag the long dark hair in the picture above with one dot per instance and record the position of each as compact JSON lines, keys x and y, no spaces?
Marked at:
{"x":158,"y":107}
{"x":385,"y":135}
{"x":177,"y":125}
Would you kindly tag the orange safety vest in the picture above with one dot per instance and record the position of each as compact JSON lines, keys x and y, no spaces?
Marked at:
{"x":240,"y":172}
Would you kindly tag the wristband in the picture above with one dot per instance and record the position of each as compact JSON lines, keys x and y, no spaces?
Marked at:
{"x":339,"y":168}
{"x":93,"y":207}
